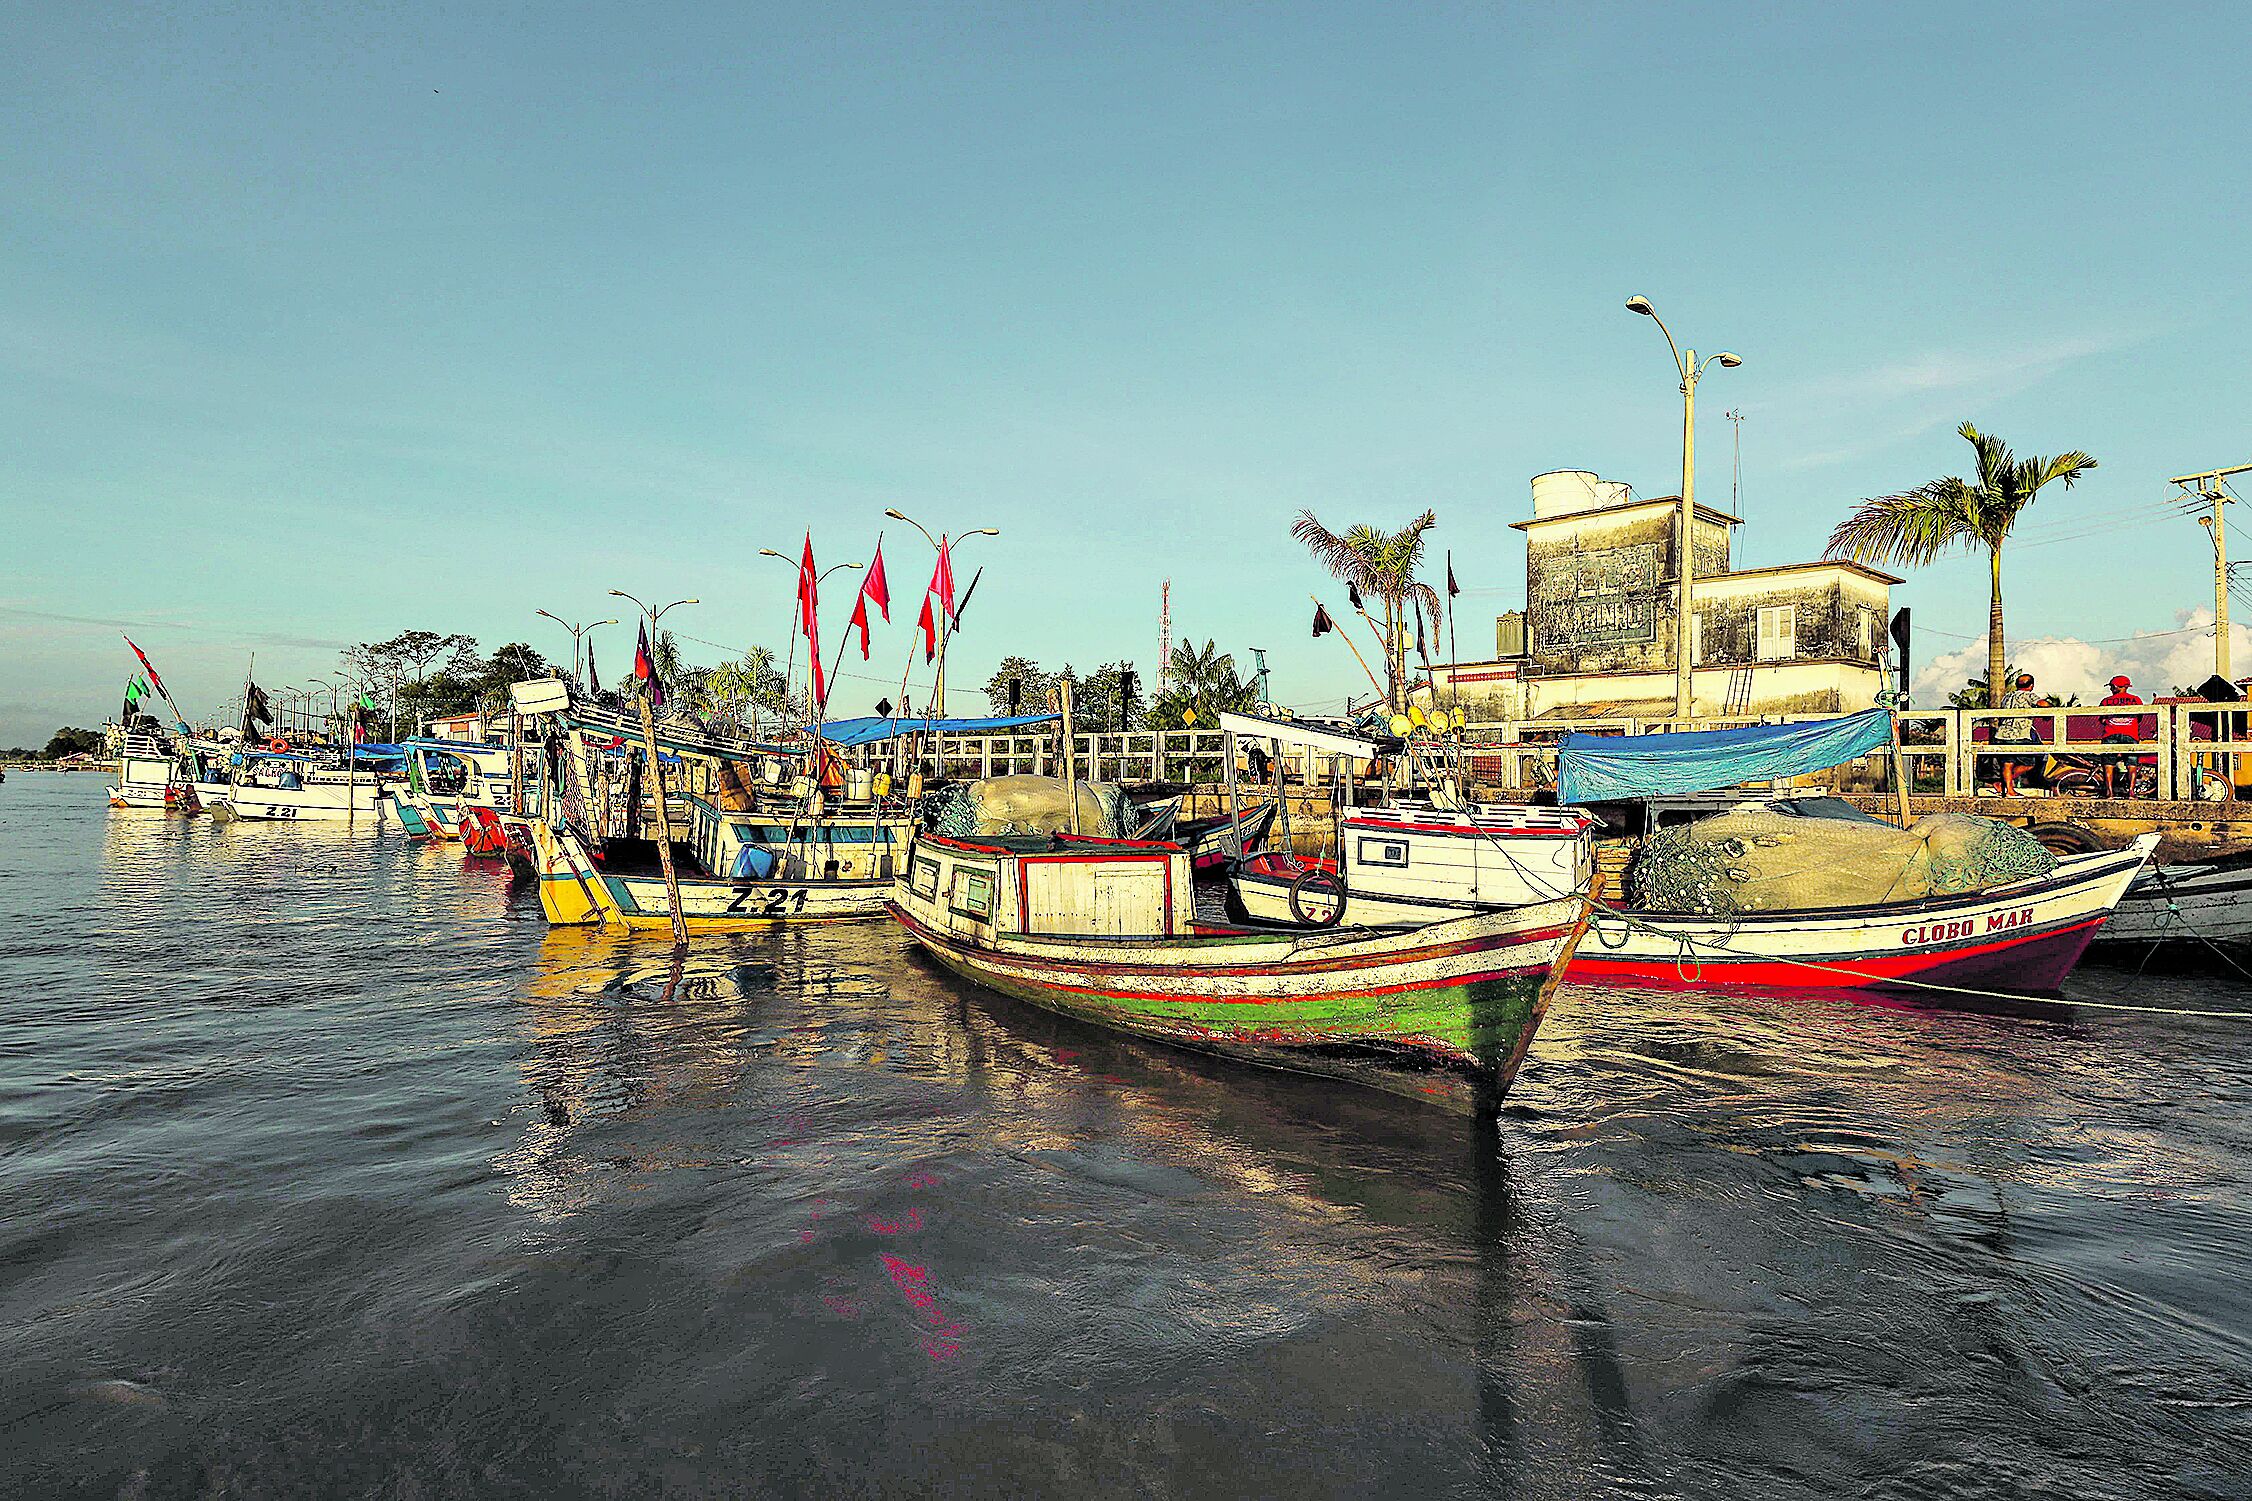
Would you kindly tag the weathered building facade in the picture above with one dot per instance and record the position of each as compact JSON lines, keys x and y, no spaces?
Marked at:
{"x":1602,"y":588}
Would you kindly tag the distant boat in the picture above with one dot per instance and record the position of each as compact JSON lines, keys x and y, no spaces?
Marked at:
{"x":1105,"y":930}
{"x":2185,"y":907}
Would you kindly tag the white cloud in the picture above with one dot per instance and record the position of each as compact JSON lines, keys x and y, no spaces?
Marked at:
{"x":2157,"y":661}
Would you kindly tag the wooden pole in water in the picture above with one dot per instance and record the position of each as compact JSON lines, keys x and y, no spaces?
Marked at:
{"x":1070,"y":760}
{"x":664,"y":821}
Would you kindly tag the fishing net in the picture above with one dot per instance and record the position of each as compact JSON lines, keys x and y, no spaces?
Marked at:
{"x":1027,"y":805}
{"x":1763,"y":860}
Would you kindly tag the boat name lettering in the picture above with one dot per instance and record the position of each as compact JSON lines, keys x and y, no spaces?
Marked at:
{"x":1966,"y":927}
{"x":767,"y":903}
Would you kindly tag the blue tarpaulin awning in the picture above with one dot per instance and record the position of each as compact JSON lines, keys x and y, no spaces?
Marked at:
{"x":1601,"y":768}
{"x":866,"y":731}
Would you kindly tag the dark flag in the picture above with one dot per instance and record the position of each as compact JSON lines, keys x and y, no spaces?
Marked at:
{"x":645,"y":670}
{"x":255,"y":709}
{"x":593,"y":678}
{"x":1453,"y":588}
{"x":1353,"y":593}
{"x":1323,"y":625}
{"x":149,"y":666}
{"x":1420,"y":649}
{"x":966,"y":593}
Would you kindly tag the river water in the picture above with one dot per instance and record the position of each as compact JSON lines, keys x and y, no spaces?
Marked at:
{"x":326,"y":1168}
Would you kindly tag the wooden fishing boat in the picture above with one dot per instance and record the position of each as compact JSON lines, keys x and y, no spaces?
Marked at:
{"x":2188,"y":906}
{"x":1105,"y":930}
{"x":1418,"y":863}
{"x":2020,"y":939}
{"x":839,"y":870}
{"x":148,"y":774}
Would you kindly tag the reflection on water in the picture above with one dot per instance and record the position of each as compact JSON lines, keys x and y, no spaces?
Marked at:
{"x":330,"y":1168}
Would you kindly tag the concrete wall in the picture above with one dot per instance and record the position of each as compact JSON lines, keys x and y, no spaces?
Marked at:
{"x":1600,"y":587}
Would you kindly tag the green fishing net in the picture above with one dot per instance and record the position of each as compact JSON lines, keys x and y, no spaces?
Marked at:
{"x":1759,"y":859}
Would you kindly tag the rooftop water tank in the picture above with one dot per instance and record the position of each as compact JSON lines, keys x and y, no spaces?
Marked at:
{"x":1561,"y":492}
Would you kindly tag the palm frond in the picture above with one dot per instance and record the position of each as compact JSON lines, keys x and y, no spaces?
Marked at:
{"x":1912,"y":527}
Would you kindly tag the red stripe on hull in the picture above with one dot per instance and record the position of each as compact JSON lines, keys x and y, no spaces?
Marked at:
{"x":2031,"y":963}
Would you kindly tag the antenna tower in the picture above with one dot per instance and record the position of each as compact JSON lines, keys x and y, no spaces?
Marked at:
{"x":1164,"y":635}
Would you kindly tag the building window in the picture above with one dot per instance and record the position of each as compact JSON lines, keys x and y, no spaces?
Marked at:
{"x":1868,"y":648}
{"x":1778,"y":633}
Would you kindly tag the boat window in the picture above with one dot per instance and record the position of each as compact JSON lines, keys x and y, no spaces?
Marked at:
{"x":1393,"y":852}
{"x":761,"y":833}
{"x":973,"y":893}
{"x":926,"y":878}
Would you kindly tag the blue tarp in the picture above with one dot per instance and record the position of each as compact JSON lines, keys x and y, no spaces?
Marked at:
{"x":864,"y":731}
{"x":1600,"y":768}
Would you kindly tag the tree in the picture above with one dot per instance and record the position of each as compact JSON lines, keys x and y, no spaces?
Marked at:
{"x":746,"y":691}
{"x":1918,"y":525}
{"x":70,"y":741}
{"x":1033,"y":686}
{"x":1381,"y":564}
{"x":1202,"y":678}
{"x":1100,"y":704}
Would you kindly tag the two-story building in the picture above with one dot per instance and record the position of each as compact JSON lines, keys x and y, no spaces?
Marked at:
{"x":1596,"y":639}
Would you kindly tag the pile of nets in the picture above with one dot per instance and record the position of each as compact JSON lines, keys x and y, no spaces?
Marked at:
{"x":1759,"y":859}
{"x":1026,"y":805}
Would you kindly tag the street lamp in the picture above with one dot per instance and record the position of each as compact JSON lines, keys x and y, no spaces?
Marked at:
{"x":1685,"y":362}
{"x":331,"y":687}
{"x":939,"y":544}
{"x":576,"y":632}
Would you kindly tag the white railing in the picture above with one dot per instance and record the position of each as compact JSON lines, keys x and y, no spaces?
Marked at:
{"x":2181,"y":751}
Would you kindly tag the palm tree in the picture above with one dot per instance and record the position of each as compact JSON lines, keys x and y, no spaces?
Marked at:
{"x":1382,"y":564}
{"x":1918,"y":525}
{"x":1202,"y":678}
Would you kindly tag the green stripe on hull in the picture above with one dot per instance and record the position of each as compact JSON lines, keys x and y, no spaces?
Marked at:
{"x":1454,"y":1045}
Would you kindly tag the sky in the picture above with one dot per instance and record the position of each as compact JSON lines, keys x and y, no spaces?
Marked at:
{"x":319,"y":324}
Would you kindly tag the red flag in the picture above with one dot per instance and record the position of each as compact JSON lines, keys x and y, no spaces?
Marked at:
{"x":860,"y":621}
{"x":809,"y":587}
{"x":929,"y":628}
{"x":158,"y":683}
{"x":877,"y":587}
{"x":942,"y":580}
{"x":809,"y":618}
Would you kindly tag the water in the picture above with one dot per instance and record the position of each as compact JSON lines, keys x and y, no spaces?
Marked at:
{"x":325,"y":1168}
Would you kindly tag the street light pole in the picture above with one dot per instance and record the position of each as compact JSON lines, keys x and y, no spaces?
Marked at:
{"x":1684,"y":544}
{"x":945,"y":627}
{"x":576,"y":632}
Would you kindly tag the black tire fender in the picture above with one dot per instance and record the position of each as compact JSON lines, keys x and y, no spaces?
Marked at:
{"x":2067,"y":838}
{"x":1314,"y":878}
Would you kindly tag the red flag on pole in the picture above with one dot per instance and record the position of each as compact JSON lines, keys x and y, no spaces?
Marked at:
{"x":942,"y":580}
{"x":929,"y":628}
{"x":154,"y":681}
{"x":876,"y":586}
{"x":859,"y":622}
{"x":809,"y":618}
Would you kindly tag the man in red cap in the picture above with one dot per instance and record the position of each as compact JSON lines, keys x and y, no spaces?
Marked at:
{"x":2118,"y":728}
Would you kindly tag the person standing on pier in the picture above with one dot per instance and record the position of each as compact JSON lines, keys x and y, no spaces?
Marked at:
{"x":2016,"y":731}
{"x":2118,"y":729}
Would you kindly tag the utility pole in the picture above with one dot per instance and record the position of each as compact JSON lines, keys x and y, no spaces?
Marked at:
{"x":2207,"y":487}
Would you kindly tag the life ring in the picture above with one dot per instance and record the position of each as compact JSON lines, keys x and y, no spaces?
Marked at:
{"x":1313,"y":878}
{"x":278,"y":746}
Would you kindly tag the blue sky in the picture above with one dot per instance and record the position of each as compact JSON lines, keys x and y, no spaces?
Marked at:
{"x":315,"y":328}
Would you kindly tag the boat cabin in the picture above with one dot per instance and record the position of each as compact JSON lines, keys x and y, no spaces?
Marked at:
{"x":1061,"y":885}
